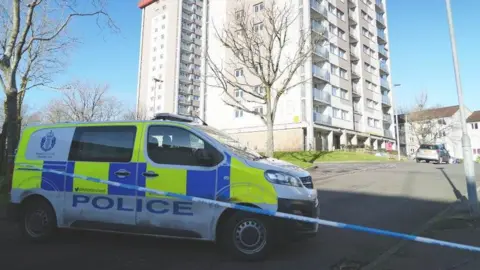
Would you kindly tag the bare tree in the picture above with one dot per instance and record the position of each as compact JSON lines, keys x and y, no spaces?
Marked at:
{"x":135,"y":114}
{"x":82,"y":102}
{"x":428,"y":123}
{"x":265,"y":60}
{"x":32,"y":38}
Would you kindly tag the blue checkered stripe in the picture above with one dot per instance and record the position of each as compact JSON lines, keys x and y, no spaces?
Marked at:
{"x":202,"y":184}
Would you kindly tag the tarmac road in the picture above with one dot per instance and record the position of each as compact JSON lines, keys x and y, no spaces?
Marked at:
{"x":400,"y":198}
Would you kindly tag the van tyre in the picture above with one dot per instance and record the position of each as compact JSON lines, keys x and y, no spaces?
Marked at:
{"x":38,"y":222}
{"x":246,"y":236}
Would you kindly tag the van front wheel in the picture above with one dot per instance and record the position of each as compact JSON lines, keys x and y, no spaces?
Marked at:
{"x":247,"y":236}
{"x":38,"y":222}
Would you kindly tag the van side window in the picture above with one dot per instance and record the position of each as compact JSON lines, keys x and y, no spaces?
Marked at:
{"x":177,"y":146}
{"x":103,"y":144}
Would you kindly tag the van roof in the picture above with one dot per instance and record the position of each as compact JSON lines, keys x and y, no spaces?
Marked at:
{"x":174,"y":118}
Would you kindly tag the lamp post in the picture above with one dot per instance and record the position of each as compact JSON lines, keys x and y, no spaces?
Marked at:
{"x":395,"y":111}
{"x":468,"y":163}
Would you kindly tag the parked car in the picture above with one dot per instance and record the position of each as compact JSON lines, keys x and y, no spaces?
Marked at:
{"x":432,"y":152}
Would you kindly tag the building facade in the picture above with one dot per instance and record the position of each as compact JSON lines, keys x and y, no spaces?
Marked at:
{"x":439,"y":126}
{"x":170,"y":56}
{"x":345,"y":97}
{"x":473,"y":125}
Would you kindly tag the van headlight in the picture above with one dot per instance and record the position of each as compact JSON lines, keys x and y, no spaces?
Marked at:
{"x":281,"y":178}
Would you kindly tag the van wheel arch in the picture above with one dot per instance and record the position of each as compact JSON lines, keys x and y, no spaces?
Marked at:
{"x":226,"y":214}
{"x":40,"y":201}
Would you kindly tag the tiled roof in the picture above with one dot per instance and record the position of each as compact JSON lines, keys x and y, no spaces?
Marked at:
{"x":144,"y":3}
{"x":474,"y":117}
{"x":433,"y":113}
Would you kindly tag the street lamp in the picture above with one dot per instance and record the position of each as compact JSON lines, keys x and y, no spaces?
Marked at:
{"x":395,"y":111}
{"x":468,"y":164}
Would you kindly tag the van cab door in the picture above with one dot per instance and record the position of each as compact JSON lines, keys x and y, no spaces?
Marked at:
{"x":173,"y":163}
{"x":108,"y":153}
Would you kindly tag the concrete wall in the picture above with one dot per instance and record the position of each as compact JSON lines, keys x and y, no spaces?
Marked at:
{"x":285,"y":140}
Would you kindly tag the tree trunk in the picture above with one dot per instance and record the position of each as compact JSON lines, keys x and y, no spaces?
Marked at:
{"x":270,"y":145}
{"x":12,"y":122}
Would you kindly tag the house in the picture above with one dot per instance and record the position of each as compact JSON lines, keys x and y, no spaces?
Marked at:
{"x":438,"y":125}
{"x":473,"y":125}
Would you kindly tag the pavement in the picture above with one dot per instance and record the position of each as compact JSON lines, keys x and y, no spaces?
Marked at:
{"x":401,"y":197}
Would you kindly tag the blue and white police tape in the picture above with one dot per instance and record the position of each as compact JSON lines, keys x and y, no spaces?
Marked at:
{"x":266,"y":212}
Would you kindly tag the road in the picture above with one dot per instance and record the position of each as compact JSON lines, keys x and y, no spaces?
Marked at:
{"x":393,"y":196}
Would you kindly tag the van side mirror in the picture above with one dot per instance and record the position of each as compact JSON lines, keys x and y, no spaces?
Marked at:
{"x":204,"y":157}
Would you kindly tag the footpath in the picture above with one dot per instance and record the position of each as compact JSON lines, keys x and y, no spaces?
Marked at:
{"x":455,"y":225}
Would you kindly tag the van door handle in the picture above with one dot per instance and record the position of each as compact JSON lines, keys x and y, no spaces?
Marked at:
{"x":150,"y":174}
{"x":122,"y":173}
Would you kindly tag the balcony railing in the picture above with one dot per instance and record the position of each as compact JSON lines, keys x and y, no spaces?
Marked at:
{"x":319,"y":8}
{"x":356,"y":89}
{"x":322,"y":96}
{"x":385,"y":100}
{"x":387,"y":133}
{"x":356,"y":108}
{"x":322,"y":51}
{"x":379,"y":3}
{"x":321,"y":73}
{"x":322,"y":119}
{"x":319,"y":28}
{"x":384,"y":67}
{"x":384,"y":83}
{"x":381,"y":35}
{"x":380,"y":19}
{"x":387,"y":117}
{"x":382,"y":51}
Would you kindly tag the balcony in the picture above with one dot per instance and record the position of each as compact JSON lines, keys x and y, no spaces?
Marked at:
{"x":322,"y":119}
{"x":187,"y":28}
{"x":351,"y":19}
{"x":319,"y":8}
{"x":187,"y":8}
{"x":384,"y":67}
{"x":321,"y":53}
{"x":351,"y":3}
{"x":320,"y":73}
{"x":185,"y":101}
{"x":387,"y":118}
{"x":385,"y":100}
{"x":187,"y":39}
{"x":358,"y":126}
{"x":319,"y":29}
{"x":186,"y":48}
{"x":387,"y":133}
{"x":185,"y":59}
{"x":184,"y":78}
{"x":384,"y":84}
{"x":379,"y":6}
{"x":353,"y":36}
{"x":322,"y":96}
{"x":353,"y":54}
{"x":196,"y":103}
{"x":357,"y":109}
{"x":187,"y":17}
{"x":382,"y":52}
{"x":356,"y":90}
{"x":185,"y":90}
{"x":355,"y":72}
{"x":381,"y":21}
{"x":382,"y":39}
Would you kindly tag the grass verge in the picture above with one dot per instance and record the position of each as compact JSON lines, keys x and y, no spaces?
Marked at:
{"x":307,"y":158}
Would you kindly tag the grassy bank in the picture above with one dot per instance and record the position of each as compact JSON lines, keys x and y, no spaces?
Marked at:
{"x":306,"y":159}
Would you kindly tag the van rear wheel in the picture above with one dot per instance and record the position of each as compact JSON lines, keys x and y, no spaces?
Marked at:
{"x":247,"y":236}
{"x":38,"y":222}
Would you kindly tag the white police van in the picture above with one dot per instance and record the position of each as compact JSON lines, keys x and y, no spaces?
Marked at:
{"x":53,"y":184}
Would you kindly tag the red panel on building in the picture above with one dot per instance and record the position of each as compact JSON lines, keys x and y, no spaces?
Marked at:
{"x":144,"y":3}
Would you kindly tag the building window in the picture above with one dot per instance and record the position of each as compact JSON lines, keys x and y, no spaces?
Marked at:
{"x":238,"y":93}
{"x":238,"y":113}
{"x":343,"y":73}
{"x":259,"y":90}
{"x":475,"y":126}
{"x":259,"y":110}
{"x":103,"y":144}
{"x":258,"y":7}
{"x":238,"y":72}
{"x":257,"y":27}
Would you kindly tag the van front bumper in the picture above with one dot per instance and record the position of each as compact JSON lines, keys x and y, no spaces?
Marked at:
{"x":298,"y":229}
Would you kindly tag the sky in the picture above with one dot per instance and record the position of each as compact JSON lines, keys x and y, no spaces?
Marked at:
{"x":419,"y":44}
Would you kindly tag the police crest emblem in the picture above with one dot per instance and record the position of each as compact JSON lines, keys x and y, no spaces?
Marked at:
{"x":48,"y":141}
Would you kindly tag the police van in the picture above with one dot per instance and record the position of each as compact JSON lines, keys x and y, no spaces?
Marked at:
{"x":169,"y":153}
